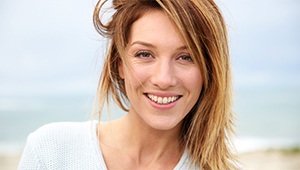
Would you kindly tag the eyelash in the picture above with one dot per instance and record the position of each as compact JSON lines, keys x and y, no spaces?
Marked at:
{"x":143,"y":54}
{"x":186,"y":58}
{"x":146,"y":54}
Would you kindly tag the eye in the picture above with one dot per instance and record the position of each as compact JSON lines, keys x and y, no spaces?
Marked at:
{"x":143,"y":54}
{"x":185,"y":58}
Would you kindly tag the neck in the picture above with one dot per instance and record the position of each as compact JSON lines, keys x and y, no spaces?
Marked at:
{"x":142,"y":143}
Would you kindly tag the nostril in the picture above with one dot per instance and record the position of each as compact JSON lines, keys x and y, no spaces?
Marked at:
{"x":164,"y":77}
{"x":164,"y":82}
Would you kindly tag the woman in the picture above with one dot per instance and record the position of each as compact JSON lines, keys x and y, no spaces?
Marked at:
{"x":168,"y":67}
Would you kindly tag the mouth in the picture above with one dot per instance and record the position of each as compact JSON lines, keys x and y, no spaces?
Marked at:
{"x":163,"y":100}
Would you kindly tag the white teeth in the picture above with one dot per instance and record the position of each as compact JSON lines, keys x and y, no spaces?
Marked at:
{"x":162,"y":100}
{"x":165,"y":100}
{"x":159,"y":100}
{"x":154,"y":98}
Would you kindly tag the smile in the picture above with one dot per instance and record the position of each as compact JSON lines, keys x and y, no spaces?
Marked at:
{"x":162,"y":100}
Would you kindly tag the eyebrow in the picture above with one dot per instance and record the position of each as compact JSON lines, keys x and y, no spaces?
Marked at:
{"x":153,"y":46}
{"x":143,"y":43}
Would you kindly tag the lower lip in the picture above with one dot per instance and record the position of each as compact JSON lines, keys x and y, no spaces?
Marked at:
{"x":162,"y":106}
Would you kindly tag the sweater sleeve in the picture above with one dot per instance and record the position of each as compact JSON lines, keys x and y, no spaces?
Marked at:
{"x":30,"y":159}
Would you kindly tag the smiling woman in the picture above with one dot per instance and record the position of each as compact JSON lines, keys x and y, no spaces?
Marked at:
{"x":157,"y":71}
{"x":169,"y":60}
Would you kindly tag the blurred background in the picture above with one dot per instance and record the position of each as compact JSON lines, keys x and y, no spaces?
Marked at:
{"x":51,"y":58}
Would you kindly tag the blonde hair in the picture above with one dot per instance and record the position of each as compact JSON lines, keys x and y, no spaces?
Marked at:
{"x":207,"y":128}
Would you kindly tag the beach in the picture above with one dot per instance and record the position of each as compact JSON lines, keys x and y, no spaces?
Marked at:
{"x":9,"y":161}
{"x":263,"y":133}
{"x":259,"y":160}
{"x":51,"y":62}
{"x":273,"y":160}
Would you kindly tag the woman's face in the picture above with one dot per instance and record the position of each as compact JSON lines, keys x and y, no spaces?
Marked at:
{"x":162,"y":82}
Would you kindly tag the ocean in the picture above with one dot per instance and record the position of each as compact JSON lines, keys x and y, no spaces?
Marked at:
{"x":266,"y":119}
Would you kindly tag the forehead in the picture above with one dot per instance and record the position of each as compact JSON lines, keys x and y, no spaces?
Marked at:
{"x":155,"y":27}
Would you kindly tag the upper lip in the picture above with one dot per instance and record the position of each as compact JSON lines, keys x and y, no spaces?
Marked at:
{"x":159,"y":94}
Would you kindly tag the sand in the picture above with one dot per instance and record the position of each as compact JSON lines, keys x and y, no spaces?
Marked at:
{"x":273,"y":160}
{"x":264,"y":160}
{"x":9,"y":162}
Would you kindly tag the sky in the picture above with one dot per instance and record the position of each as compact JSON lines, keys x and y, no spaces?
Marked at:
{"x":264,"y":42}
{"x":50,"y":47}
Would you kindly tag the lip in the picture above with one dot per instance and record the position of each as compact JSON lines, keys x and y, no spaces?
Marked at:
{"x":163,"y":94}
{"x":163,"y":106}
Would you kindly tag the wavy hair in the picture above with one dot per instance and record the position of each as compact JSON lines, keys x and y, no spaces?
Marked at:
{"x":207,"y":129}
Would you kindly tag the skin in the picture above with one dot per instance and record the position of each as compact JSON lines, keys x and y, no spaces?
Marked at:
{"x":157,"y":63}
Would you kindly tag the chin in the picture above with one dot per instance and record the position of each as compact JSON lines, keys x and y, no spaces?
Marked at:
{"x":164,"y":124}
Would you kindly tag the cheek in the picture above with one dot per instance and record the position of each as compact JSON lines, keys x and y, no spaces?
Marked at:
{"x":136,"y":75}
{"x":134,"y":80}
{"x":193,"y":84}
{"x":193,"y":81}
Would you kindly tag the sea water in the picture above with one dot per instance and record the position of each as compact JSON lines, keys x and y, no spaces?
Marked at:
{"x":21,"y":115}
{"x":266,"y":118}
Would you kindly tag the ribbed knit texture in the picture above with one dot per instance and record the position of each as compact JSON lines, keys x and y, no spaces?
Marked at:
{"x":69,"y":146}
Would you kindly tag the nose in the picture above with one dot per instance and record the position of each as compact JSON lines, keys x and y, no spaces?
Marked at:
{"x":164,"y":74}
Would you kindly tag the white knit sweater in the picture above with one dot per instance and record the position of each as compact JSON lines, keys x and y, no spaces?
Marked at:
{"x":67,"y":146}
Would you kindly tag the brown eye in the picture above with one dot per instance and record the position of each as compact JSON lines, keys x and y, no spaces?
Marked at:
{"x":186,"y":58}
{"x":143,"y":54}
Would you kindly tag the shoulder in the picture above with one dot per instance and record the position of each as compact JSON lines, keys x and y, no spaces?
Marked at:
{"x":62,"y":138}
{"x":63,"y":144}
{"x":56,"y":133}
{"x":62,"y":127}
{"x":186,"y":163}
{"x":60,"y":131}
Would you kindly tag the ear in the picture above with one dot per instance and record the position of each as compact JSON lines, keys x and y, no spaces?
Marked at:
{"x":121,"y":68}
